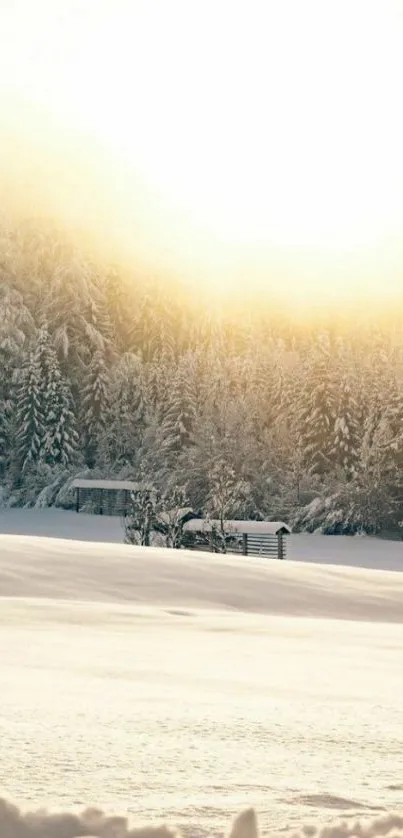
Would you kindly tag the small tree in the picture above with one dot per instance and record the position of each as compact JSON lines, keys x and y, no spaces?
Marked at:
{"x":173,"y":508}
{"x":140,"y":519}
{"x":151,"y":513}
{"x":226,"y":495}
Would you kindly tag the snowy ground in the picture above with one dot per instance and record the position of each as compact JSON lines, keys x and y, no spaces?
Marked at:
{"x":184,"y":687}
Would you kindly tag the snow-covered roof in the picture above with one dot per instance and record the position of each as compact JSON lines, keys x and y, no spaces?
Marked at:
{"x":118,"y":485}
{"x":245,"y":527}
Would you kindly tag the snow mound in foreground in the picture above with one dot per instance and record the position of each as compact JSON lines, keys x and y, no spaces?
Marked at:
{"x":16,"y":824}
{"x":72,"y":570}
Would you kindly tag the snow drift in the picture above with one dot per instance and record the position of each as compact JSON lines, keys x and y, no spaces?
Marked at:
{"x":72,"y":570}
{"x":14,"y":823}
{"x":94,"y":632}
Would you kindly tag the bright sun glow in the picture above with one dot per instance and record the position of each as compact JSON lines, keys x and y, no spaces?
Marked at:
{"x":269,"y":133}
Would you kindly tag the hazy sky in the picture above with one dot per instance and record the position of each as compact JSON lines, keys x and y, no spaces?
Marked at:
{"x":220,"y":138}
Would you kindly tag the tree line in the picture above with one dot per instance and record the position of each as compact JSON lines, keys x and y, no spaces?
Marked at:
{"x":108,"y":373}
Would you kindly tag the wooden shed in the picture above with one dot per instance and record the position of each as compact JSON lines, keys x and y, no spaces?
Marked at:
{"x":248,"y":538}
{"x":109,"y":497}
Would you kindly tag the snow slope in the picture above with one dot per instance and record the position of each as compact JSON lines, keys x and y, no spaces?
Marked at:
{"x":184,"y":687}
{"x":63,"y":569}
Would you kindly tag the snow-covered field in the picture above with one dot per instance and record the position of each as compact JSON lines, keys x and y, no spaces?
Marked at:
{"x":185,"y":687}
{"x":56,"y":523}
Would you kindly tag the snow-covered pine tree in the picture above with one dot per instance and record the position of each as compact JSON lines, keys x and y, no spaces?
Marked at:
{"x":347,"y":432}
{"x":374,"y":500}
{"x":33,"y":400}
{"x":119,"y":305}
{"x":375,"y":374}
{"x":99,"y":324}
{"x":45,"y":423}
{"x":93,"y":406}
{"x":4,"y":434}
{"x":316,"y":413}
{"x":180,"y":413}
{"x":60,"y":441}
{"x":147,"y":325}
{"x":125,"y":415}
{"x":72,"y":299}
{"x":16,"y":325}
{"x":31,"y":414}
{"x":391,"y":426}
{"x":394,"y":416}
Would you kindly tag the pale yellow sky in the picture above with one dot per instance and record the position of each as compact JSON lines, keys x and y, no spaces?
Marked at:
{"x":249,"y":139}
